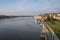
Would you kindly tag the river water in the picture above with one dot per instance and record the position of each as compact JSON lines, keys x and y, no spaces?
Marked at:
{"x":19,"y":29}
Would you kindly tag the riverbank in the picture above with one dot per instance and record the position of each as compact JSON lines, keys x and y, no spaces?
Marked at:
{"x":7,"y":17}
{"x":56,"y":27}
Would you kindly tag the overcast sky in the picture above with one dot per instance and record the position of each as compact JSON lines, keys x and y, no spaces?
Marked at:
{"x":28,"y":7}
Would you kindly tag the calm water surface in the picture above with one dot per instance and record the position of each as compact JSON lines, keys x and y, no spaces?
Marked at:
{"x":19,"y":29}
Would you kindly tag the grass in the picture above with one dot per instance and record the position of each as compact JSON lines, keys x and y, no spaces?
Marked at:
{"x":56,"y":27}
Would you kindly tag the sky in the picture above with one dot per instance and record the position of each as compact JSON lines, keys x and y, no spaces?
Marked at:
{"x":28,"y":7}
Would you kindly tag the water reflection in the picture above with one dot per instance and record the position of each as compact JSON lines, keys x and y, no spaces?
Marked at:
{"x":19,"y":29}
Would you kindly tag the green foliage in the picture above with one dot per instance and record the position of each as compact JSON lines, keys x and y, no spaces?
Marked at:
{"x":51,"y":19}
{"x":55,"y":27}
{"x":48,"y":18}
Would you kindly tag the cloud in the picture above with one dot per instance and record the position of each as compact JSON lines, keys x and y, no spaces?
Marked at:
{"x":29,"y":6}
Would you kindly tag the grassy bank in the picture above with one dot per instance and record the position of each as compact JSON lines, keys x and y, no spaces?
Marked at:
{"x":56,"y":27}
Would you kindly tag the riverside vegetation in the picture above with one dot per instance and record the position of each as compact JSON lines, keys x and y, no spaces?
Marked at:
{"x":54,"y":24}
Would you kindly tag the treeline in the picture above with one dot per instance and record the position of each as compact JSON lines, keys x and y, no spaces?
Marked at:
{"x":7,"y":17}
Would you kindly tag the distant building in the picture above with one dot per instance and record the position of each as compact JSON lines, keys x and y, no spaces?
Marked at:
{"x":58,"y":14}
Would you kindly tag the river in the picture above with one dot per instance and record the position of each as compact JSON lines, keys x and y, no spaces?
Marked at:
{"x":19,"y":29}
